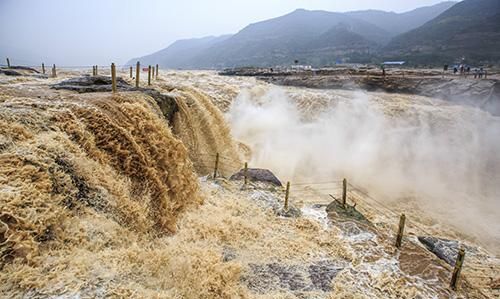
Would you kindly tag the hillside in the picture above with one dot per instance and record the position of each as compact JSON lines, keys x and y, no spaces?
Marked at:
{"x":317,"y":38}
{"x":180,"y":53}
{"x":285,"y":39}
{"x":397,"y":23}
{"x":470,"y":30}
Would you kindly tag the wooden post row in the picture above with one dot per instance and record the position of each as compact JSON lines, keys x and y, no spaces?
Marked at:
{"x":137,"y":71}
{"x":401,"y":228}
{"x":458,"y":268}
{"x":149,"y":75}
{"x":246,"y":173}
{"x":216,"y":165}
{"x":113,"y":78}
{"x":344,"y":192}
{"x":287,"y":194}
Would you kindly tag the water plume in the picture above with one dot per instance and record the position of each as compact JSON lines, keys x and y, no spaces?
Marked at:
{"x":397,"y":146}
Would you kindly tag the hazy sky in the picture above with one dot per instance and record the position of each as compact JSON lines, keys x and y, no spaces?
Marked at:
{"x":68,"y":32}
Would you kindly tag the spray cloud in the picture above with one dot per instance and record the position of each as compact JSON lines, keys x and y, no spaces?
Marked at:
{"x":397,"y":146}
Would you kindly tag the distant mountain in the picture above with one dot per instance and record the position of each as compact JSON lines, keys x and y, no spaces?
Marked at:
{"x":294,"y":36}
{"x":429,"y":34}
{"x":397,"y":23}
{"x":470,"y":29}
{"x":180,"y":53}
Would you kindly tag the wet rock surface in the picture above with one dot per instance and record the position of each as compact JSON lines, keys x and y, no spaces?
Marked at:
{"x":338,"y":212}
{"x":322,"y":274}
{"x":228,"y":254}
{"x":317,"y":276}
{"x":446,"y":250}
{"x":87,"y":84}
{"x":291,"y":212}
{"x":21,"y":71}
{"x":257,"y":175}
{"x":9,"y":72}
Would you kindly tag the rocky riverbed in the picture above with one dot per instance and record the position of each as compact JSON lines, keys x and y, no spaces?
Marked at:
{"x":483,"y":93}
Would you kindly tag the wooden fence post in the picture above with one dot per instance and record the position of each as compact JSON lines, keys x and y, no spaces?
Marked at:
{"x":43,"y":68}
{"x":54,"y":72}
{"x":344,"y":192}
{"x":401,"y":228}
{"x":137,"y":71}
{"x":149,"y":75}
{"x":96,"y":70}
{"x":93,"y":70}
{"x":246,"y":173}
{"x":130,"y":72}
{"x":287,"y":193}
{"x":8,"y":62}
{"x":113,"y":77}
{"x":156,"y":77}
{"x":216,"y":165}
{"x":458,"y":268}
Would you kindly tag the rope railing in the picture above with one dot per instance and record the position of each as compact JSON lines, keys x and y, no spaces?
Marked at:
{"x":25,"y":63}
{"x":211,"y":163}
{"x":104,"y":69}
{"x":316,"y":183}
{"x":415,"y":226}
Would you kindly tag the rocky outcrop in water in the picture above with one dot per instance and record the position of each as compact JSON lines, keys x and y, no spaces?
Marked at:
{"x":446,"y":250}
{"x":21,"y":71}
{"x":340,"y":212}
{"x":317,"y":276}
{"x":257,"y":175}
{"x":92,"y":84}
{"x":483,"y":93}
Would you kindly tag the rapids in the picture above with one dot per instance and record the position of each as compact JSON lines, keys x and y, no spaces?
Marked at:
{"x":104,"y":196}
{"x":422,"y":155}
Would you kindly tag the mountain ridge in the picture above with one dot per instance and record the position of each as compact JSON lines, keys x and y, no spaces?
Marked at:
{"x":398,"y":23}
{"x":322,"y":38}
{"x":470,"y":31}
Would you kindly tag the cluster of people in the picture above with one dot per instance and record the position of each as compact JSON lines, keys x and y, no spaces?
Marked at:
{"x":465,"y":71}
{"x":478,"y":74}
